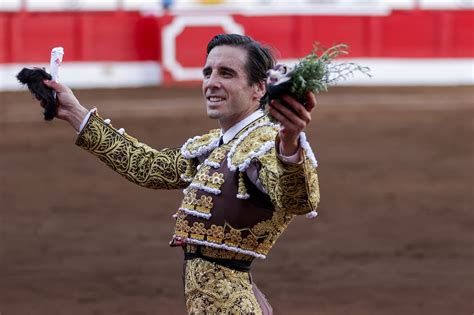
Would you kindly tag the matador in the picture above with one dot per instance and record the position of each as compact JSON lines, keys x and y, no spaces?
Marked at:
{"x":243,"y":183}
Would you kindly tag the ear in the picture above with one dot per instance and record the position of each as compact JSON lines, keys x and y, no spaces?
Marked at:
{"x":260,"y":89}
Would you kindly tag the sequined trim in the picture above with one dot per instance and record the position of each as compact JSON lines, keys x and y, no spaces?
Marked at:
{"x":223,"y":246}
{"x":195,"y":213}
{"x":211,"y":164}
{"x":200,"y":145}
{"x":205,"y":188}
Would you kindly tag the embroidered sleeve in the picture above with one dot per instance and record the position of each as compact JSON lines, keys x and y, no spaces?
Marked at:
{"x":135,"y":161}
{"x":293,"y":188}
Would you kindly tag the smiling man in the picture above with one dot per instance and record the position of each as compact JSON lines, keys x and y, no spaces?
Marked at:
{"x":243,"y":183}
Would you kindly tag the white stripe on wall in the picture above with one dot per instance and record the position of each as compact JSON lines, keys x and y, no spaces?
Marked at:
{"x":385,"y":72}
{"x":92,"y":74}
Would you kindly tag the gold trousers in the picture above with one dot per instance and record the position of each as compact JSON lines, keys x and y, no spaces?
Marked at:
{"x":213,"y":289}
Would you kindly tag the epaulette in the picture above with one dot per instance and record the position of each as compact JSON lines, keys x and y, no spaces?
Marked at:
{"x":200,"y":145}
{"x":254,"y":142}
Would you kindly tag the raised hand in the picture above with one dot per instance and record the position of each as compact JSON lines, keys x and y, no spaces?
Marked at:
{"x":293,"y":120}
{"x":69,"y":108}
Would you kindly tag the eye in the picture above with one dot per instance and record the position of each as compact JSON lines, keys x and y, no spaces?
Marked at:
{"x":206,"y":73}
{"x":226,"y":74}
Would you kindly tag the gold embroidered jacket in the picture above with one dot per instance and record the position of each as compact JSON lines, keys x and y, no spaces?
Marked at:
{"x":218,"y":194}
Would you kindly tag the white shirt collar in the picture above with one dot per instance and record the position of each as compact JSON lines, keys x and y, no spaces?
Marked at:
{"x":235,"y":129}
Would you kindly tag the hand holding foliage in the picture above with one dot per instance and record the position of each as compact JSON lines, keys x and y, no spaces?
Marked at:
{"x":317,"y":72}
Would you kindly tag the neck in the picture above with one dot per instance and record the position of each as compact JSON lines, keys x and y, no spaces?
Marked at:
{"x":229,"y":123}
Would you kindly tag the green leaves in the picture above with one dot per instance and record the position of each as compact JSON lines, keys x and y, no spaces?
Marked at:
{"x":316,"y":72}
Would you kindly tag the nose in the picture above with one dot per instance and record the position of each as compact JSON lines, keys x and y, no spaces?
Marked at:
{"x":213,"y":81}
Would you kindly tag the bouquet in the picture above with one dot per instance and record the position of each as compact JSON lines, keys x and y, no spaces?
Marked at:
{"x":315,"y":72}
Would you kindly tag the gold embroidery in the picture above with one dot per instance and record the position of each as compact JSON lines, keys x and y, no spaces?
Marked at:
{"x":190,"y":171}
{"x":216,"y":233}
{"x":204,"y":204}
{"x":233,"y":237}
{"x":213,"y":289}
{"x":135,"y":161}
{"x":224,"y":254}
{"x":242,"y":190}
{"x":217,"y":253}
{"x":217,"y":155}
{"x":250,"y":242}
{"x":200,"y":145}
{"x":214,"y":181}
{"x":292,"y":187}
{"x":257,"y":239}
{"x":257,"y":142}
{"x":198,"y":228}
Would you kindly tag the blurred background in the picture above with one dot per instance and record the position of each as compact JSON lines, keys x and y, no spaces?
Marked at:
{"x":125,"y":43}
{"x":394,"y":233}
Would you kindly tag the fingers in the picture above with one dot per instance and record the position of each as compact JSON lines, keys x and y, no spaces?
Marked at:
{"x":298,"y":109}
{"x":295,"y":113}
{"x":289,"y":118}
{"x":291,"y":126}
{"x":310,"y":101}
{"x":294,"y":117}
{"x":275,"y":110}
{"x":54,"y":85}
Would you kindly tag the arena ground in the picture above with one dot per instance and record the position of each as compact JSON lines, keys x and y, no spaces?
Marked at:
{"x":394,"y":235}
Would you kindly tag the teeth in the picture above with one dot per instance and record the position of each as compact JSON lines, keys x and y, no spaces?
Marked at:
{"x":215,"y":99}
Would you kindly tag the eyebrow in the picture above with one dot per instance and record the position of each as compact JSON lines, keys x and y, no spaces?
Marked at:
{"x":232,"y":71}
{"x":223,"y":68}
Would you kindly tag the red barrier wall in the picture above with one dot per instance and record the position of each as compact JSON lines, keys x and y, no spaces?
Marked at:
{"x":85,"y":36}
{"x":128,"y":36}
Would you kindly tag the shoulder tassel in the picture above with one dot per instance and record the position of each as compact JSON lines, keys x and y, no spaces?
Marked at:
{"x":242,"y":192}
{"x":188,"y":175}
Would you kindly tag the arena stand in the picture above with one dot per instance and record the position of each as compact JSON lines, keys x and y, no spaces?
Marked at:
{"x":140,"y":43}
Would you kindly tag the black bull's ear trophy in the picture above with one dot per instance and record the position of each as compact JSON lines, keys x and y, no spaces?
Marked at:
{"x":311,"y":73}
{"x":33,"y":79}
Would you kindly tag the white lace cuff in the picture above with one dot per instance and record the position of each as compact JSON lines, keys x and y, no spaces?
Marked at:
{"x":84,"y":121}
{"x":292,"y":159}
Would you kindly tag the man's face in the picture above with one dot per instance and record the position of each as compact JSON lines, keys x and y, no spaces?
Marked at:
{"x":229,"y":97}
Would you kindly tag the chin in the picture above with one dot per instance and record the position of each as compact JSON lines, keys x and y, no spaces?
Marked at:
{"x":213,"y":114}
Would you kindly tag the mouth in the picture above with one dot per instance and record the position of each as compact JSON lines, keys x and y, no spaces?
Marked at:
{"x":215,"y":100}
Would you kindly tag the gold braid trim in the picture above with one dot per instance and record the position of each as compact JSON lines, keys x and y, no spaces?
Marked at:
{"x":293,"y":188}
{"x":135,"y":161}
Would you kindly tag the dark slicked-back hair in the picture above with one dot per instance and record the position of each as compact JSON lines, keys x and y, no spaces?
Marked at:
{"x":259,"y":57}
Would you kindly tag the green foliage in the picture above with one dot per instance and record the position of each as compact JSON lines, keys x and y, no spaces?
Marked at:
{"x":316,"y":72}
